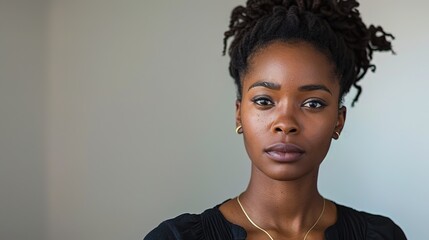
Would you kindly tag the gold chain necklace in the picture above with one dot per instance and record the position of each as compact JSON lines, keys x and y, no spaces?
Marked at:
{"x":263,"y":230}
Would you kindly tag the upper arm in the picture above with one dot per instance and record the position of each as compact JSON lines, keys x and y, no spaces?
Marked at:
{"x":162,"y":232}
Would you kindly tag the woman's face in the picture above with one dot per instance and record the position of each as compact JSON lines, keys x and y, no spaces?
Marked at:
{"x":289,"y":109}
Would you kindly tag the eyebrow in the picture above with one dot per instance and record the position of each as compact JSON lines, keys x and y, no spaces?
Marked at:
{"x":314,"y":87}
{"x":305,"y":88}
{"x":270,"y":85}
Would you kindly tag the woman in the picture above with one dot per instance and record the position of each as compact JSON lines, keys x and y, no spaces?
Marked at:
{"x":293,"y":61}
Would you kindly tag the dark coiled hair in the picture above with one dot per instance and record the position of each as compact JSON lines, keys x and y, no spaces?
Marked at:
{"x":334,"y":27}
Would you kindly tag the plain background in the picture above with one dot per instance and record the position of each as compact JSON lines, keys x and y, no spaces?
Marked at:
{"x":115,"y":115}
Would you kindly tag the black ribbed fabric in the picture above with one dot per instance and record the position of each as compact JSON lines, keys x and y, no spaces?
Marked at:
{"x":212,"y":225}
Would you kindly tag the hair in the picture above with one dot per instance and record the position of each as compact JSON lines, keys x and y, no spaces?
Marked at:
{"x":334,"y":27}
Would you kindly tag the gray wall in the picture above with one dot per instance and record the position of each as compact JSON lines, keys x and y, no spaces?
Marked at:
{"x":116,"y":115}
{"x":23,"y":88}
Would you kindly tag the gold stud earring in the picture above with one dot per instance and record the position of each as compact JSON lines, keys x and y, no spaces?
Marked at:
{"x":239,"y":130}
{"x":337,"y":135}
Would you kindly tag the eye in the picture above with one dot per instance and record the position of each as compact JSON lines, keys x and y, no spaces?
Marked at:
{"x":263,"y":101}
{"x":314,"y":104}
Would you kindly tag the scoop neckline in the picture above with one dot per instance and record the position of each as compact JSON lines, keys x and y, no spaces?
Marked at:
{"x":241,"y":230}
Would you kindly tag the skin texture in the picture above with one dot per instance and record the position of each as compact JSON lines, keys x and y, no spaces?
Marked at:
{"x":290,"y":96}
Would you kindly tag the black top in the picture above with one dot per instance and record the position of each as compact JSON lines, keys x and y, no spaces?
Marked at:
{"x":211,"y":224}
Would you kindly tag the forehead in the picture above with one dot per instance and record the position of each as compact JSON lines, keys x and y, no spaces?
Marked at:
{"x":297,"y":61}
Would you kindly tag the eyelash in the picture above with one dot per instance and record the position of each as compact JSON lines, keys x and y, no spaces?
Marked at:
{"x":265,"y":101}
{"x":321,"y":104}
{"x":258,"y":101}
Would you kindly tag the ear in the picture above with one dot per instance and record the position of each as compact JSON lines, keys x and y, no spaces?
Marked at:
{"x":237,"y":113}
{"x":341,"y":120}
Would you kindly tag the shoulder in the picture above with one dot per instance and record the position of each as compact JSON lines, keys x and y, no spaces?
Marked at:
{"x":210,"y":224}
{"x":180,"y":227}
{"x":353,"y":224}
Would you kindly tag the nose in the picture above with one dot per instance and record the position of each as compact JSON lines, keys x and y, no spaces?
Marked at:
{"x":286,"y":121}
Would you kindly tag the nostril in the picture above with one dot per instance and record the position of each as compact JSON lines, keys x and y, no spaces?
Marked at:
{"x":293,"y":130}
{"x":278,"y":129}
{"x":290,"y":130}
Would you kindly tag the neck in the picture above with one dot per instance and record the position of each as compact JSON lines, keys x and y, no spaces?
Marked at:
{"x":278,"y":203}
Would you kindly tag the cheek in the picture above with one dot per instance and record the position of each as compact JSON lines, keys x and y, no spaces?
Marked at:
{"x":255,"y":129}
{"x":255,"y":123}
{"x":321,"y":139}
{"x":320,"y":133}
{"x":321,"y":130}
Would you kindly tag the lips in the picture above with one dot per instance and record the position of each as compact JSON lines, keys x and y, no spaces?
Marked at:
{"x":285,"y":153}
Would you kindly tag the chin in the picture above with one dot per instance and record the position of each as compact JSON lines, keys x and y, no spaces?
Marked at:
{"x":289,"y":174}
{"x":288,"y":177}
